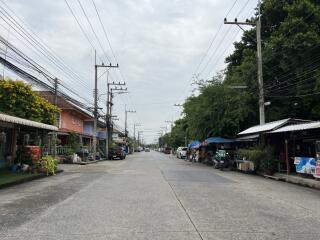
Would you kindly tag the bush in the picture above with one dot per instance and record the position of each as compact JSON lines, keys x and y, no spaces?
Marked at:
{"x":49,"y":164}
{"x":263,"y":158}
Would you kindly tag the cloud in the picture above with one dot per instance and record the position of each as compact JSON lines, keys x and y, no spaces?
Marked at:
{"x":158,"y":45}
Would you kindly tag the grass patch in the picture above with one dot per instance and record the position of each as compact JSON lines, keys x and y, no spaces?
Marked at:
{"x":7,"y":177}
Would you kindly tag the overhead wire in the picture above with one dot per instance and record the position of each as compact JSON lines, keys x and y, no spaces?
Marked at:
{"x":38,"y":44}
{"x":35,"y":66}
{"x":94,"y":32}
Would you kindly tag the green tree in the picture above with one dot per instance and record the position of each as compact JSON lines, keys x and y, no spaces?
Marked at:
{"x":18,"y":99}
{"x":291,"y":53}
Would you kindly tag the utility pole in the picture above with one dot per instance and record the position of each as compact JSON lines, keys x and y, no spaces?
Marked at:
{"x":126,"y":120}
{"x":109,"y":112}
{"x":171,"y":126}
{"x":139,"y":133}
{"x":56,"y":82}
{"x":134,"y":134}
{"x":260,"y":73}
{"x":95,"y":111}
{"x":186,"y":134}
{"x":259,"y":59}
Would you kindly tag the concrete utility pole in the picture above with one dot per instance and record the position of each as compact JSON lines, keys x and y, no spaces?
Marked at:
{"x":126,"y":120}
{"x":109,"y":111}
{"x":139,"y":133}
{"x":171,"y":126}
{"x":95,"y":110}
{"x":134,"y":134}
{"x":56,"y":82}
{"x":259,"y":59}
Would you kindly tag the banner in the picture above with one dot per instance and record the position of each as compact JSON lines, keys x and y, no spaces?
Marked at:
{"x":317,"y":171}
{"x":305,"y":165}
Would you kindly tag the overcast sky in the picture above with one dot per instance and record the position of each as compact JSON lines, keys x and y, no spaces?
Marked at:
{"x":158,"y":44}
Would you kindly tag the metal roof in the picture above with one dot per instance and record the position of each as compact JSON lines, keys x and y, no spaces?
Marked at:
{"x":25,"y":122}
{"x":265,"y":127}
{"x":298,"y":127}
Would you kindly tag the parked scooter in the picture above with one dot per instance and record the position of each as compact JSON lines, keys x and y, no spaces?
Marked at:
{"x":221,"y":160}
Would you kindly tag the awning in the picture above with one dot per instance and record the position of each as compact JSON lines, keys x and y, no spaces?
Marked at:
{"x":25,"y":122}
{"x":298,"y":127}
{"x":219,"y":140}
{"x":194,"y":144}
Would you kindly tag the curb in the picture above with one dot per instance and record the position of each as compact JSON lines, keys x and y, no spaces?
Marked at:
{"x":86,"y":163}
{"x":29,"y":179}
{"x":314,"y":185}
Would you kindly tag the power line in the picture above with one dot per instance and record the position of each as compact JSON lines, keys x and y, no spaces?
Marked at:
{"x":32,"y":63}
{"x":38,"y":45}
{"x":104,"y":30}
{"x":92,"y":29}
{"x":225,"y":50}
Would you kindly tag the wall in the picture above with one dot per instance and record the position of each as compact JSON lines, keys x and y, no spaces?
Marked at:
{"x":88,"y":127}
{"x":71,"y":121}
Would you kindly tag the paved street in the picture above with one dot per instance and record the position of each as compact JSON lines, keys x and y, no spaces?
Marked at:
{"x":156,"y":196}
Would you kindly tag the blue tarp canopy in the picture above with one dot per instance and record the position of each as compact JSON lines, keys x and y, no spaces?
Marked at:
{"x":219,"y":140}
{"x":194,"y":144}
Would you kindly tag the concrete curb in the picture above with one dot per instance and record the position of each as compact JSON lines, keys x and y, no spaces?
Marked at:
{"x":86,"y":163}
{"x":302,"y":182}
{"x":28,"y":179}
{"x":310,"y":183}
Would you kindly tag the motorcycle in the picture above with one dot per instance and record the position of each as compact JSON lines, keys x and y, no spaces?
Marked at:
{"x":221,"y":160}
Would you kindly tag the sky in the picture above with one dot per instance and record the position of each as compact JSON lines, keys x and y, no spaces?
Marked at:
{"x":158,"y":44}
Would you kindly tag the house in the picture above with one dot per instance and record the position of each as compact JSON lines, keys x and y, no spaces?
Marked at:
{"x":72,"y":121}
{"x":17,"y":133}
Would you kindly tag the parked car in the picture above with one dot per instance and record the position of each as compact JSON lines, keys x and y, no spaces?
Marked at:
{"x":117,"y":153}
{"x":167,"y":150}
{"x":181,"y":152}
{"x":147,"y":149}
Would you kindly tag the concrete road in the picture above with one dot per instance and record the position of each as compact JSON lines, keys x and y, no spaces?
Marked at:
{"x":156,"y":196}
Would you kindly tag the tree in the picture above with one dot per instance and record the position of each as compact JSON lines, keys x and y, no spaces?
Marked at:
{"x":291,"y":53}
{"x":18,"y":99}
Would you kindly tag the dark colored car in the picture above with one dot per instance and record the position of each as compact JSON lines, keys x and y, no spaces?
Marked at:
{"x":117,"y":153}
{"x":167,"y":150}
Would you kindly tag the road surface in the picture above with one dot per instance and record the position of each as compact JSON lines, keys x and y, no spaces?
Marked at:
{"x":156,"y":196}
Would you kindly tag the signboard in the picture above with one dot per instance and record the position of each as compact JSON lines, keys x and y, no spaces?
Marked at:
{"x":305,"y":165}
{"x":35,"y":152}
{"x":317,"y":170}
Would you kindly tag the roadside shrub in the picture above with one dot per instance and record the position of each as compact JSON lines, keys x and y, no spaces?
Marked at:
{"x":23,"y":156}
{"x":263,"y":158}
{"x":49,"y":164}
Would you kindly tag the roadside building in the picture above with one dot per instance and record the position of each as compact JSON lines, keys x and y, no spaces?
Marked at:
{"x":17,"y":134}
{"x":296,"y":143}
{"x":300,"y":144}
{"x":75,"y":120}
{"x":72,"y":121}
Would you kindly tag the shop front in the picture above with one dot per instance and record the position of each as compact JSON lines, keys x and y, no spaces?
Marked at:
{"x":299,"y":148}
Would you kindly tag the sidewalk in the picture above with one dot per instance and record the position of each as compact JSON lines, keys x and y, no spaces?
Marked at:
{"x":307,"y":182}
{"x":8,"y":178}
